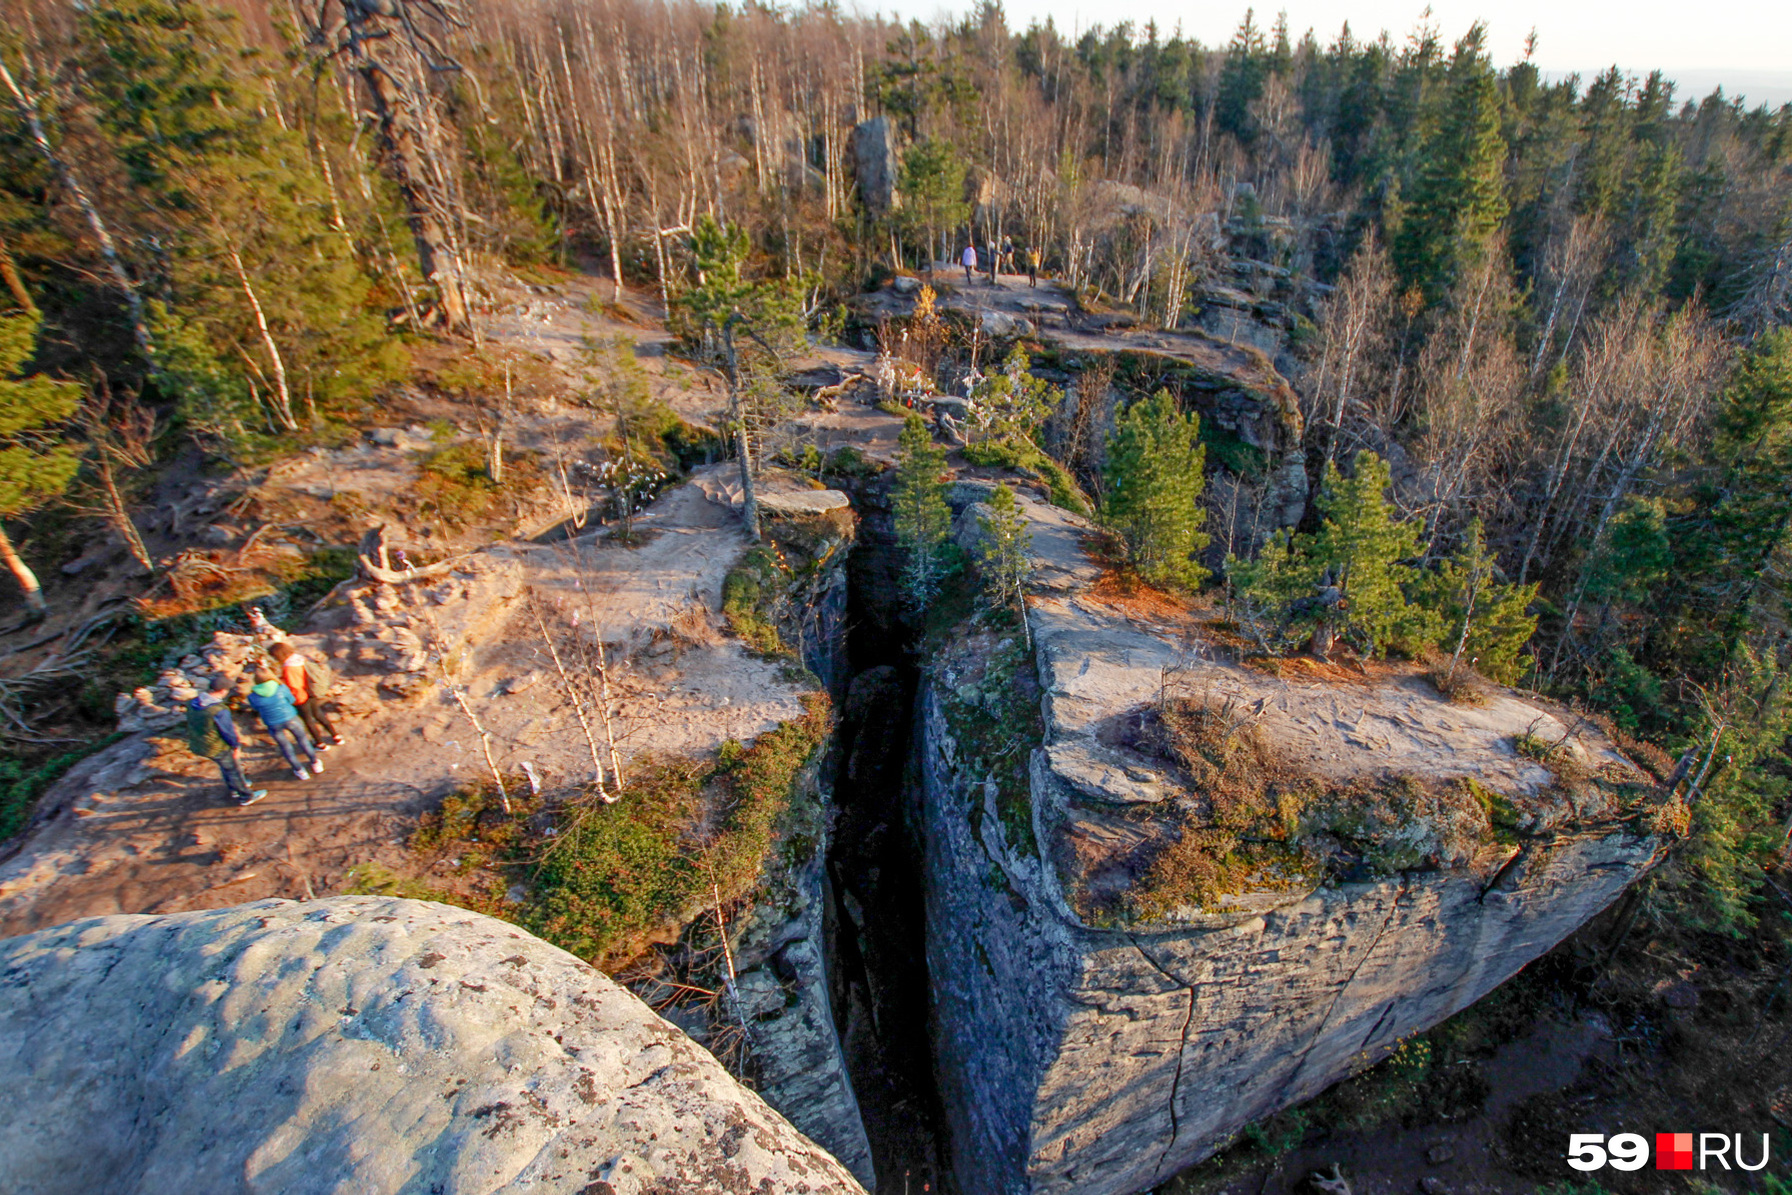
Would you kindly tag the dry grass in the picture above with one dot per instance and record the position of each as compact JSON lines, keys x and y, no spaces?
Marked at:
{"x":1239,"y":830}
{"x":691,"y":626}
{"x":1257,"y":820}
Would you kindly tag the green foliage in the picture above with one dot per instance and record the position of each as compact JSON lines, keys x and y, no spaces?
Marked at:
{"x":719,"y":287}
{"x":923,"y":520}
{"x":1484,"y":621}
{"x":932,"y":186}
{"x":1008,"y":406}
{"x":1735,"y":822}
{"x":619,"y":872}
{"x":749,"y":595}
{"x":34,"y":462}
{"x":1003,"y":562}
{"x":1024,"y":457}
{"x":240,"y":219}
{"x":1155,"y":478}
{"x":1364,"y":549}
{"x":1364,"y":553}
{"x":454,"y":481}
{"x":1458,"y":199}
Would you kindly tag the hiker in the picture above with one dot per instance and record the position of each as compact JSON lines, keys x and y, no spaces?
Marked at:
{"x":211,"y":733}
{"x":280,"y":714}
{"x":309,"y":683}
{"x":1032,"y":256}
{"x":969,"y":260}
{"x":1008,"y":254}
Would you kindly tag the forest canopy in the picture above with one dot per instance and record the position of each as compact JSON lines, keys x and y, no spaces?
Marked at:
{"x":1547,"y":316}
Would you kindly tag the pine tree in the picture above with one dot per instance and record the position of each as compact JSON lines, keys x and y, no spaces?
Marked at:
{"x":1485,"y":622}
{"x":263,"y":295}
{"x":35,"y":464}
{"x":923,"y":520}
{"x":1155,"y":478}
{"x":1363,"y":548}
{"x":1003,"y":562}
{"x":1458,"y":199}
{"x":933,"y":191}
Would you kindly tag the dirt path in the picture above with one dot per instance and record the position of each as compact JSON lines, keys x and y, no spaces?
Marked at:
{"x":144,"y":827}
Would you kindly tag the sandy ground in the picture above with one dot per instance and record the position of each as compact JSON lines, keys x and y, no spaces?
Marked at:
{"x":145,"y":828}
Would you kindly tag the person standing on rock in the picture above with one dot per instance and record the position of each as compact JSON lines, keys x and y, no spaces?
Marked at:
{"x":308,"y":683}
{"x":1033,"y":266}
{"x":969,"y":260}
{"x":280,"y":714}
{"x":211,"y":733}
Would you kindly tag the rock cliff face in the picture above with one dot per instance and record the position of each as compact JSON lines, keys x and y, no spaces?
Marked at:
{"x":1096,"y":1053}
{"x":359,"y":1044}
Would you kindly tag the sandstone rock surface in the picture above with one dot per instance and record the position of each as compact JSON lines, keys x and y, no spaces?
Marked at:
{"x":361,"y":1044}
{"x":1099,"y":1056}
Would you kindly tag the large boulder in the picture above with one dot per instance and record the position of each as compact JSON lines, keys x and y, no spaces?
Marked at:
{"x":359,"y":1044}
{"x":874,"y":164}
{"x":1092,"y":1044}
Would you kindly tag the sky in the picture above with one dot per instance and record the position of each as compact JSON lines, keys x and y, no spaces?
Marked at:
{"x":1744,"y":45}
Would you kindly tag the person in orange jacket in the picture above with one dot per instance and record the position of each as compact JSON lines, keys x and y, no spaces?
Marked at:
{"x":310,"y":704}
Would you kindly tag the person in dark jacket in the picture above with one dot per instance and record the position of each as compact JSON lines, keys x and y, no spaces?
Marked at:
{"x":280,"y":714}
{"x":211,"y":733}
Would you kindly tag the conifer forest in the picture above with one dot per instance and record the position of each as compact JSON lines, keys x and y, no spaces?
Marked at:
{"x":1378,"y":354}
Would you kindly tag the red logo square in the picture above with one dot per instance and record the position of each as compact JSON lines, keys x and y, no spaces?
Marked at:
{"x":1673,"y":1151}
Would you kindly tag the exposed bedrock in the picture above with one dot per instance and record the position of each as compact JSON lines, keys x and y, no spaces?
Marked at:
{"x":1082,"y":1049}
{"x":360,"y":1044}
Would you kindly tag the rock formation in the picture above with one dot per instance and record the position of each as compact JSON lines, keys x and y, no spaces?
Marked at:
{"x":359,"y":1044}
{"x":874,"y":164}
{"x":1086,"y":1047}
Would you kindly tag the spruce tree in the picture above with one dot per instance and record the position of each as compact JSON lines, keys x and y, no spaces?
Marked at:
{"x":1485,"y":622}
{"x":1003,"y":562}
{"x":1155,"y":478}
{"x":923,"y":520}
{"x":1458,"y":199}
{"x":1364,"y":550}
{"x":35,"y":464}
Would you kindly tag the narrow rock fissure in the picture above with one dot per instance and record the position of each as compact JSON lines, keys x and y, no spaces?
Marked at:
{"x":877,"y":918}
{"x":1188,"y":1022}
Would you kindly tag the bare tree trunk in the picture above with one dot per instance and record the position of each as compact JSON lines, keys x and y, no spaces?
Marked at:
{"x":437,"y":257}
{"x":118,"y":514}
{"x":737,"y":413}
{"x":34,"y":593}
{"x":283,"y":395}
{"x":578,"y":703}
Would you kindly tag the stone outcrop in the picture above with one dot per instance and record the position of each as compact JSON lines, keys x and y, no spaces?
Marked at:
{"x":359,"y":1044}
{"x":874,"y":164}
{"x":1099,"y":1054}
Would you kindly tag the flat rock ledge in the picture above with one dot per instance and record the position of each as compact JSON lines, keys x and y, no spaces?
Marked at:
{"x":359,"y":1044}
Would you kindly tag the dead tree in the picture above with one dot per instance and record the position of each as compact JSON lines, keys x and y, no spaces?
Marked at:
{"x":395,"y":46}
{"x":120,"y":429}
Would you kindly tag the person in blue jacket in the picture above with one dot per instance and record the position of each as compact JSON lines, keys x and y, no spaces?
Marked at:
{"x":280,"y":714}
{"x":211,"y":733}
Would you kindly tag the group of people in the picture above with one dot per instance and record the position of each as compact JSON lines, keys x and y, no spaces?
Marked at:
{"x":286,"y":692}
{"x":996,"y":258}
